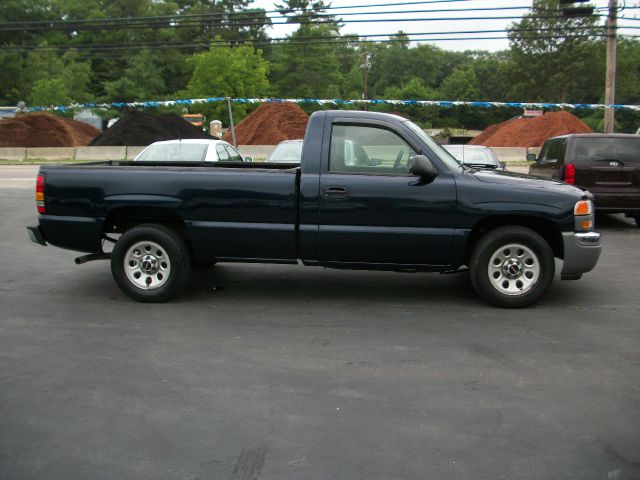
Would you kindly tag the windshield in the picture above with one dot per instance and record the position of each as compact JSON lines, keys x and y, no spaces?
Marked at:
{"x":446,"y":158}
{"x":173,"y":152}
{"x":289,"y":152}
{"x":592,"y":149}
{"x":472,"y":156}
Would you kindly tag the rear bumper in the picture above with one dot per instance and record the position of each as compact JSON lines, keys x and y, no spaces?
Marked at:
{"x":82,"y":234}
{"x":35,"y":235}
{"x":581,"y":253}
{"x":616,"y":201}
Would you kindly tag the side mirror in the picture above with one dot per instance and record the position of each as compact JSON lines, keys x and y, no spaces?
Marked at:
{"x":422,"y":167}
{"x":531,"y":157}
{"x":248,"y":159}
{"x":503,"y":165}
{"x":374,"y":162}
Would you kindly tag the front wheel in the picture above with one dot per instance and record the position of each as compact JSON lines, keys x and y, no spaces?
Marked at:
{"x":512,"y":267}
{"x":150,"y":263}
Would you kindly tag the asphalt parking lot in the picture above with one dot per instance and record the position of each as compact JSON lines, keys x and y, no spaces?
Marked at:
{"x":284,"y":372}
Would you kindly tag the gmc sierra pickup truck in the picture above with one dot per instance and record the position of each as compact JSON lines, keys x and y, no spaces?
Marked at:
{"x":372,"y":191}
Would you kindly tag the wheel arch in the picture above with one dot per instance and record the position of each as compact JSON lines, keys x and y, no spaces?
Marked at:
{"x":545,"y":228}
{"x":120,"y":219}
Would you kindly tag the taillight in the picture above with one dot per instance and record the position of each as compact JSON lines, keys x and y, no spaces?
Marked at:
{"x":570,"y":173}
{"x":40,"y":194}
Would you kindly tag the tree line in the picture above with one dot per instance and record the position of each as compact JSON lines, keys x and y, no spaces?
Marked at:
{"x":550,"y":59}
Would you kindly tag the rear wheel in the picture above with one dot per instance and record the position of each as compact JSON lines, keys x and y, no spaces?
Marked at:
{"x":512,"y":267}
{"x":150,"y":263}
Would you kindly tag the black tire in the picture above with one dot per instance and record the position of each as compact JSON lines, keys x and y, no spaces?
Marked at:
{"x":172,"y":263}
{"x":503,"y":277}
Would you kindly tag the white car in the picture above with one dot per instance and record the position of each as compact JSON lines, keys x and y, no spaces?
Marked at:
{"x":190,"y":150}
{"x":476,"y":156}
{"x":287,"y":151}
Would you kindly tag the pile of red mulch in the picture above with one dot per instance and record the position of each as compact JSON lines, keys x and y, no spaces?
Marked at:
{"x":269,"y":124}
{"x":530,"y":132}
{"x":143,"y":128}
{"x":45,"y":130}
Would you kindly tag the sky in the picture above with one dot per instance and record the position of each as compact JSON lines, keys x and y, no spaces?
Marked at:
{"x":435,"y":26}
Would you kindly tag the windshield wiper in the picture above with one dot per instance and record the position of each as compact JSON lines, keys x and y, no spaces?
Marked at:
{"x":481,"y":165}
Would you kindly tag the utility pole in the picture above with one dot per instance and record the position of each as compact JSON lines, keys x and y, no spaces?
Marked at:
{"x":568,"y":10}
{"x":610,"y":85}
{"x":366,"y":66}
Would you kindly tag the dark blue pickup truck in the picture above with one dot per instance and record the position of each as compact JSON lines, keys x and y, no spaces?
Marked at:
{"x":373,"y":191}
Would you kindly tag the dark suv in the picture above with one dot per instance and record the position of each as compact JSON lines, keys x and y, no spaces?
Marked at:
{"x":606,"y":165}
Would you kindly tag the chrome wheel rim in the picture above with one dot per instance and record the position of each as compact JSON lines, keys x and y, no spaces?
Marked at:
{"x":147,"y":265}
{"x":514,"y":269}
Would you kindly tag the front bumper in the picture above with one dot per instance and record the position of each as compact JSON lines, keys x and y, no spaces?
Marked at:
{"x":581,"y":253}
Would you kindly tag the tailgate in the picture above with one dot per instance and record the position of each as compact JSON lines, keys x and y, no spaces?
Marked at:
{"x":609,"y":175}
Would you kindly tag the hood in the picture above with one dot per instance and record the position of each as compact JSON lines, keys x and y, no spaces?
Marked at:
{"x":520,"y":180}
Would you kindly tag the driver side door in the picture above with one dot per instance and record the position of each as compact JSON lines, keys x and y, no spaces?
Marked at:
{"x":373,"y":211}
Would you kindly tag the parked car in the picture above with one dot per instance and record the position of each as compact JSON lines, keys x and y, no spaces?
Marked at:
{"x":373,"y":191}
{"x":287,"y":151}
{"x":607,"y":165}
{"x":476,"y":156}
{"x":190,"y":150}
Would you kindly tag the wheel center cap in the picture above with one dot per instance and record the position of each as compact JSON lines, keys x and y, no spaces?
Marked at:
{"x":149,"y":264}
{"x":512,"y":268}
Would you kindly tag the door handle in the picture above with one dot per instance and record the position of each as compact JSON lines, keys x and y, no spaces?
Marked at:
{"x":335,"y":192}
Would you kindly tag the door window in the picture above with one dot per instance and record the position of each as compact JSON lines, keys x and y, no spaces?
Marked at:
{"x":369,"y":150}
{"x":552,"y":152}
{"x":234,"y":156}
{"x":223,"y":155}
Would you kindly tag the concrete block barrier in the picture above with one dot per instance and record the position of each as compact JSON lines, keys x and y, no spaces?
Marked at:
{"x":101,"y":153}
{"x":13,"y":154}
{"x":509,"y":154}
{"x":133,"y":152}
{"x":51,"y":153}
{"x":257,"y":152}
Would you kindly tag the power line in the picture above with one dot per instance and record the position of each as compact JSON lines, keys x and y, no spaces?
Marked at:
{"x":250,"y":12}
{"x":199,"y":23}
{"x":302,"y":39}
{"x":188,"y":20}
{"x":206,"y":45}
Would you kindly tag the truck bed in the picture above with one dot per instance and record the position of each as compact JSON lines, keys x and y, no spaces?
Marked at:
{"x":83,"y":200}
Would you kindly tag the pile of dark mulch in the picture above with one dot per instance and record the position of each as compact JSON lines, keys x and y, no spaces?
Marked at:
{"x":142,"y":128}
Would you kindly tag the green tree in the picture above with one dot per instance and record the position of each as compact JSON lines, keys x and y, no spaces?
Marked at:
{"x":142,"y":80}
{"x":414,"y":89}
{"x":76,"y":76}
{"x":628,"y":72}
{"x":238,"y":72}
{"x":554,"y":58}
{"x":51,"y":91}
{"x":303,"y":10}
{"x":462,"y":84}
{"x":229,"y":72}
{"x":304,"y":68}
{"x":492,"y":71}
{"x":12,"y":83}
